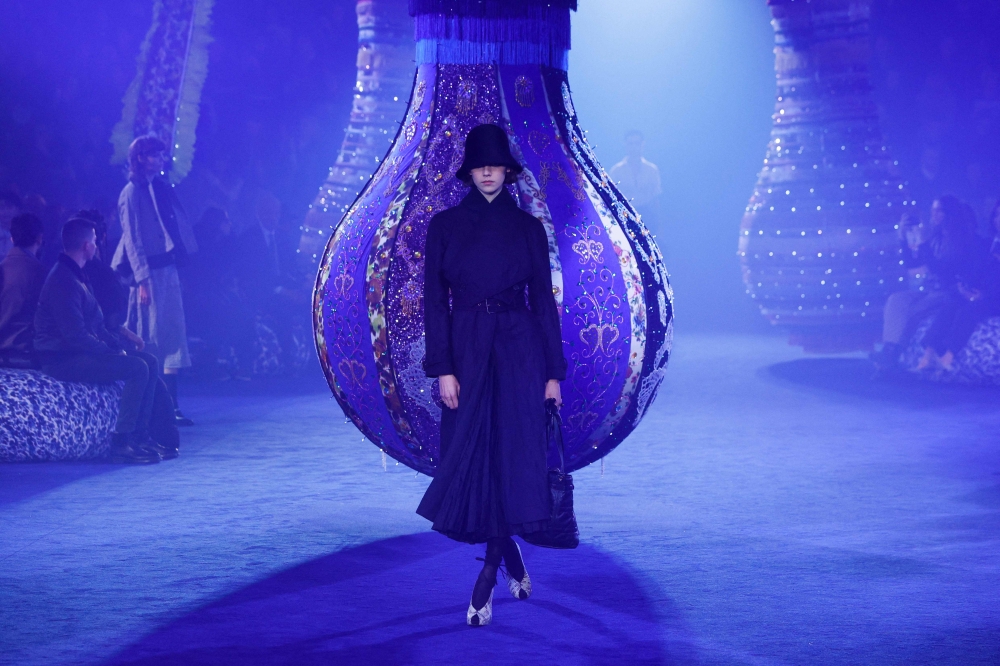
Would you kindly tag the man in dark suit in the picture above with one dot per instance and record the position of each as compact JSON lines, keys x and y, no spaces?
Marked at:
{"x":21,"y":278}
{"x":74,"y":345}
{"x":267,"y":254}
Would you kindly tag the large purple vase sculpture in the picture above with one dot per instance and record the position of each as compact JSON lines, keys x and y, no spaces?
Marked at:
{"x":500,"y":62}
{"x":818,"y":243}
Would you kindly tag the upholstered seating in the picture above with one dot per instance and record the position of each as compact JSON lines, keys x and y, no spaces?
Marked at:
{"x":977,"y":363}
{"x":44,"y":419}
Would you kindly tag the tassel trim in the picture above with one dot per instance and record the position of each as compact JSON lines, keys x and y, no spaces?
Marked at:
{"x":457,"y":52}
{"x":551,"y":27}
{"x":486,"y":8}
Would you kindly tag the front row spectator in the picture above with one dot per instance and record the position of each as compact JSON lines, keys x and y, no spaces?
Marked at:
{"x":21,"y":278}
{"x":74,"y":345}
{"x":945,"y":252}
{"x":977,"y":298}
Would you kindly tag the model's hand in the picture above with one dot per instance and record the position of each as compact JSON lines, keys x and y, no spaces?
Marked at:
{"x":552,"y":390}
{"x":133,"y":338}
{"x":144,"y":294}
{"x":448,"y":385}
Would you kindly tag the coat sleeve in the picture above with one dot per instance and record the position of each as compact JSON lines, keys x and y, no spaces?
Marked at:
{"x":67,"y":310}
{"x":437,"y":316}
{"x":543,"y":303}
{"x":132,"y":235}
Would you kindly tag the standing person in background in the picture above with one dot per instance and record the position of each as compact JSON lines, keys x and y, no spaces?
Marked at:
{"x":266,"y":251}
{"x":217,"y":311}
{"x":639,"y":180}
{"x":156,"y":238}
{"x":21,"y":279}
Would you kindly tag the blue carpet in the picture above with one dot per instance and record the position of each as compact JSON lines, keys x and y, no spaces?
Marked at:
{"x":771,"y":509}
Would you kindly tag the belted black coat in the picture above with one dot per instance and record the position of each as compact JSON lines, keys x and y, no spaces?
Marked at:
{"x":492,"y":476}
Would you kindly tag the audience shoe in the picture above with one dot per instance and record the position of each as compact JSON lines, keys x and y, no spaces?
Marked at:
{"x":182,"y":420}
{"x":124,"y":449}
{"x":149,"y":444}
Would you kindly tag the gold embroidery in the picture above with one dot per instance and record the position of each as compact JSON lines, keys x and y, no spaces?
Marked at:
{"x":538,"y":141}
{"x":524,"y":91}
{"x":465,"y":99}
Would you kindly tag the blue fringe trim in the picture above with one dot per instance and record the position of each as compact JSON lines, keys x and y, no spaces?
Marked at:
{"x":547,"y":27}
{"x":460,"y":52}
{"x":486,"y":8}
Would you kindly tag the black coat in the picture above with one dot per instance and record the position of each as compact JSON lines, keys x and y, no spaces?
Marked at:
{"x":492,"y":476}
{"x":69,"y":319}
{"x":264,"y":267}
{"x":109,"y":291}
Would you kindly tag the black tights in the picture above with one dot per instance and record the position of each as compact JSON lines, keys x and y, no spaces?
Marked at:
{"x":502,"y":549}
{"x":488,"y":576}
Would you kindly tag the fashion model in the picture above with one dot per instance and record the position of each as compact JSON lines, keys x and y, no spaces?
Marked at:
{"x":497,"y":357}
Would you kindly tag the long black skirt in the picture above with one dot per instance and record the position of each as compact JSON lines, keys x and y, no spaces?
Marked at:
{"x":492,"y":478}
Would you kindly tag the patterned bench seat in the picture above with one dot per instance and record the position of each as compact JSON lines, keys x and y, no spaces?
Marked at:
{"x":977,"y":363}
{"x":45,"y":419}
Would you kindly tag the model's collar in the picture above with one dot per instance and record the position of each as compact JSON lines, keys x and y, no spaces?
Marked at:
{"x":476,"y":201}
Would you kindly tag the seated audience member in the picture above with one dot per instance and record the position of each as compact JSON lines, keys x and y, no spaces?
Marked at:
{"x":976,"y":299}
{"x":10,"y":207}
{"x":945,"y":251}
{"x":215,"y":309}
{"x":21,"y":278}
{"x":112,"y":295}
{"x":109,"y":290}
{"x":267,"y":252}
{"x":74,"y":345}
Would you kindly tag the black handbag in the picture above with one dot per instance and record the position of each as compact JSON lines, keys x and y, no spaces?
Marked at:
{"x":562,"y":531}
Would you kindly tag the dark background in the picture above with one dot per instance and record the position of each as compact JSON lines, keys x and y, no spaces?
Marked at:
{"x":696,"y":76}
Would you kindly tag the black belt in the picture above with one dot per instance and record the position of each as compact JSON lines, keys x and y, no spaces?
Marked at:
{"x":511,"y":298}
{"x":161,"y":260}
{"x":493,"y":306}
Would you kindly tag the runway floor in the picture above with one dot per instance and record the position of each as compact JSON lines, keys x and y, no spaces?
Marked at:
{"x":772,"y":508}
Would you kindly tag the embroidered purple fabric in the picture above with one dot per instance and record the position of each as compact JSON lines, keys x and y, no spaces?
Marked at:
{"x":615,"y":300}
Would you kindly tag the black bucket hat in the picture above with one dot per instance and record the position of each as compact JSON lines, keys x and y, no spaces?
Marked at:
{"x":487,"y":145}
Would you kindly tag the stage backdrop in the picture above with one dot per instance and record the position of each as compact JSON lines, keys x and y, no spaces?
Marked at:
{"x":492,"y":62}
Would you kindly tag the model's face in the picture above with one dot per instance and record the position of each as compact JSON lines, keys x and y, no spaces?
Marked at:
{"x":489,"y":179}
{"x":153,"y":163}
{"x":634,"y":146}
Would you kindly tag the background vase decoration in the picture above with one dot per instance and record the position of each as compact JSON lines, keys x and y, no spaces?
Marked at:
{"x":502,"y":62}
{"x":818,"y":242}
{"x":385,"y":76}
{"x":164,"y":98}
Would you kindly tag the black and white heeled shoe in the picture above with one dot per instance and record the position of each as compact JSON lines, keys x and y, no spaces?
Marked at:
{"x":481,"y":617}
{"x":484,"y":615}
{"x":519,"y":589}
